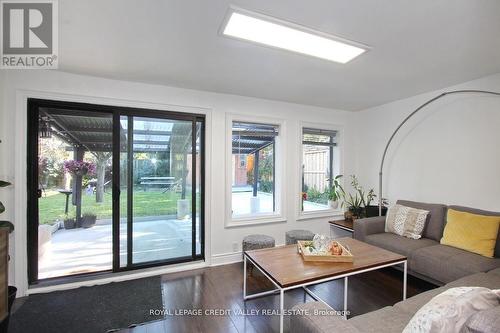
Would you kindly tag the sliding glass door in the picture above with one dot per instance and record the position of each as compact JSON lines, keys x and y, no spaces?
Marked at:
{"x":74,"y":192}
{"x":112,"y":189}
{"x":160,"y":186}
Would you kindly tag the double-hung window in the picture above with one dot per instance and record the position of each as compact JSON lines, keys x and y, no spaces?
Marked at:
{"x":320,"y":164}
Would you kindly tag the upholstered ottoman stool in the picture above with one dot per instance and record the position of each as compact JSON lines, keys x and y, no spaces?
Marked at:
{"x":293,"y":236}
{"x":255,"y":242}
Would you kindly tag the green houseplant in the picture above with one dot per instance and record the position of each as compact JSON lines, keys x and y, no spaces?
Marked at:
{"x":88,"y":220}
{"x":2,"y":209}
{"x":11,"y":290}
{"x":69,"y":222}
{"x":335,"y":192}
{"x":359,"y":204}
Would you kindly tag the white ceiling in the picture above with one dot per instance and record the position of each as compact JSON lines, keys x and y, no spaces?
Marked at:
{"x":417,"y":46}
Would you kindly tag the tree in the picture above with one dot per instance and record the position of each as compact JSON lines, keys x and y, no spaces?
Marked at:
{"x":101,"y":162}
{"x":180,"y":143}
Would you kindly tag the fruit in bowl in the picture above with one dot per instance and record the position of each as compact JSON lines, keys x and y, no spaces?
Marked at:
{"x":335,"y":249}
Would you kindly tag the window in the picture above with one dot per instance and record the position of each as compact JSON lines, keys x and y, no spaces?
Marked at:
{"x":319,"y":167}
{"x":253,"y":151}
{"x":243,"y":161}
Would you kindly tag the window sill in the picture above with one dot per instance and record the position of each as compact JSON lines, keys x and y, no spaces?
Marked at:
{"x":254,"y":220}
{"x":327,"y":213}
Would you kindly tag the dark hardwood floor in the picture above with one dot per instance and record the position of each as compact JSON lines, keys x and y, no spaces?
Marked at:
{"x":220,"y":288}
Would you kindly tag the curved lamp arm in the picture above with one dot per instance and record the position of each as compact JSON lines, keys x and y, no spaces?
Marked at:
{"x":380,"y":174}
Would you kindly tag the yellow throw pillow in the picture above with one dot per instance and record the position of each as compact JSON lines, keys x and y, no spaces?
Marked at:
{"x":471,"y":232}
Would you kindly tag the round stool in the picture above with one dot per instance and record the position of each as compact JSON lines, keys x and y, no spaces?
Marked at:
{"x":293,"y":236}
{"x":254,"y":242}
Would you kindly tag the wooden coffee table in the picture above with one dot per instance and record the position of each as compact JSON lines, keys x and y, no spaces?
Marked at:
{"x":286,"y":269}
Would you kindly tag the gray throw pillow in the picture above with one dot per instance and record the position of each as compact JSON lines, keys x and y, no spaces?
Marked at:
{"x":406,"y":221}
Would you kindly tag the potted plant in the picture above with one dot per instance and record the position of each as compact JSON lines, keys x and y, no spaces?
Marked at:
{"x":373,"y":210}
{"x":334,"y":192}
{"x":354,"y":204}
{"x":359,"y":203}
{"x":69,"y":222}
{"x":79,"y":168}
{"x":304,"y":198}
{"x":4,"y":325}
{"x":88,"y":220}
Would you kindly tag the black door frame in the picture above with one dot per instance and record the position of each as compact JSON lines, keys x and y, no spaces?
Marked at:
{"x":116,"y":112}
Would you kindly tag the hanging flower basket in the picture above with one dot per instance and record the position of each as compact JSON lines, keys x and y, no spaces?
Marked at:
{"x":79,"y":168}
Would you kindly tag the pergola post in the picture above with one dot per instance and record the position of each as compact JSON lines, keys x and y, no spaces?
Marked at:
{"x":255,"y":172}
{"x":184,"y":176}
{"x":78,"y":153}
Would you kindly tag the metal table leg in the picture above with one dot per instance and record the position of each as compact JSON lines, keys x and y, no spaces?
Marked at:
{"x":404,"y":279}
{"x":346,"y":287}
{"x":282,"y":308}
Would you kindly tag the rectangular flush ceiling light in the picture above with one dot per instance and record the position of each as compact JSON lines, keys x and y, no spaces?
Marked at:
{"x":288,"y":36}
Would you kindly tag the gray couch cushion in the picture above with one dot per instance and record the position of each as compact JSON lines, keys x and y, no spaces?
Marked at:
{"x":368,"y":226}
{"x":445,"y":263}
{"x":481,"y":212}
{"x":398,"y":244}
{"x":495,"y":271}
{"x":486,"y":280}
{"x":386,"y":320}
{"x":435,"y":220}
{"x":412,"y":304}
{"x":485,"y":321}
{"x":303,"y":320}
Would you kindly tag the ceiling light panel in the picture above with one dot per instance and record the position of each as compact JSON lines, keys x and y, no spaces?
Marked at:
{"x":288,"y":36}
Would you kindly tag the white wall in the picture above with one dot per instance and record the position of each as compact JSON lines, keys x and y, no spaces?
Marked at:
{"x":104,"y":91}
{"x":449,"y":153}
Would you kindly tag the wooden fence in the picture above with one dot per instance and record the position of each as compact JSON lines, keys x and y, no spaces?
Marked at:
{"x":316,"y":168}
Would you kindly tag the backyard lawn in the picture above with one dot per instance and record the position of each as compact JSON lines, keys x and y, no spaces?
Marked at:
{"x":150,"y":203}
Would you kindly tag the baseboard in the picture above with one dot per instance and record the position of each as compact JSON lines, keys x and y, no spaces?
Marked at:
{"x":226,"y":258}
{"x":216,"y":260}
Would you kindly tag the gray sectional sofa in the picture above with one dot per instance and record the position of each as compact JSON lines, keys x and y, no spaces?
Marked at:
{"x":390,"y":319}
{"x":427,"y":259}
{"x":442,"y":265}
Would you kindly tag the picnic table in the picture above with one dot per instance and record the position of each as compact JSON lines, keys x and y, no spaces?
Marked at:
{"x":166,"y":182}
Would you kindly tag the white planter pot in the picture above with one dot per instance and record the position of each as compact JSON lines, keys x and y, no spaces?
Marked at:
{"x":333,"y":204}
{"x":254,"y":204}
{"x":183,"y":208}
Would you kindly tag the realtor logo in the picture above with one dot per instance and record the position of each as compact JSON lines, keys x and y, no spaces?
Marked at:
{"x":29,"y":34}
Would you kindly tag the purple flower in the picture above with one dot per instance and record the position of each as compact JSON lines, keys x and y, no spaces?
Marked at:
{"x":79,"y":168}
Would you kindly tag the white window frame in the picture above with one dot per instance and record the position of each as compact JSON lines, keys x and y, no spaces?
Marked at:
{"x":338,"y":169}
{"x":280,"y":190}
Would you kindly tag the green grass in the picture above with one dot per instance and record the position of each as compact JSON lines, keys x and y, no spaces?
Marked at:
{"x":150,"y":203}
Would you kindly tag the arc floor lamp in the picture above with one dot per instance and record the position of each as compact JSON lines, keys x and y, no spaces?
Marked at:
{"x":430,"y":101}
